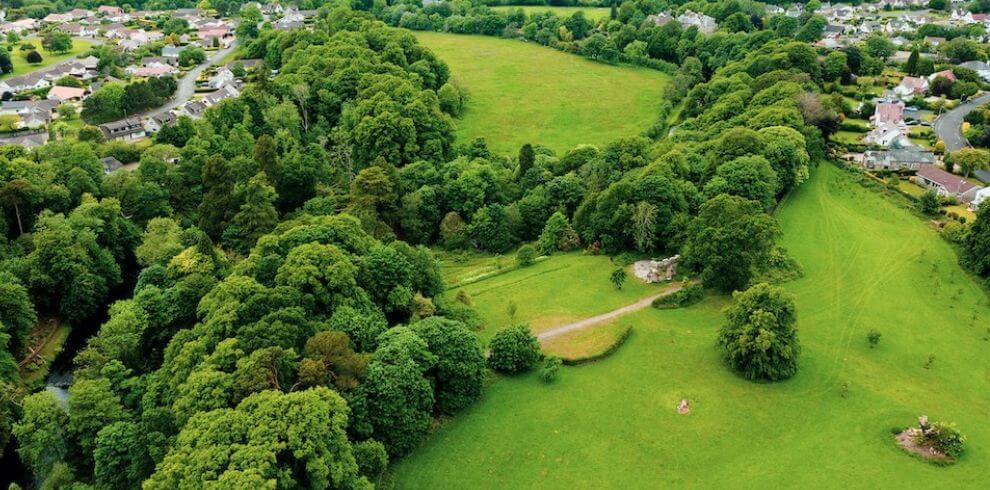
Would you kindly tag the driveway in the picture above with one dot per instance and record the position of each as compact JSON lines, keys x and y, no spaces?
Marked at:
{"x":948,"y":126}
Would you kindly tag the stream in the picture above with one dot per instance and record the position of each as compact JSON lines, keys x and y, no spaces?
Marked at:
{"x":58,"y":381}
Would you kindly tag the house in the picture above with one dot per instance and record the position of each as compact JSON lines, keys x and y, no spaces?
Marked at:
{"x":888,"y":112}
{"x":216,"y":36}
{"x":900,"y":159}
{"x":159,"y":60}
{"x":31,"y":81}
{"x":154,"y":70}
{"x":110,"y":164}
{"x":981,"y":195}
{"x":288,"y":25}
{"x":222,"y":77}
{"x":129,"y":129}
{"x":27,"y":140}
{"x":66,"y":94}
{"x":660,"y":19}
{"x":946,"y":184}
{"x":19,"y":26}
{"x":981,"y":68}
{"x":248,"y":64}
{"x":703,"y":22}
{"x":194,"y":109}
{"x":774,"y":10}
{"x":888,"y":135}
{"x":911,"y":86}
{"x":155,"y":123}
{"x":109,"y":11}
{"x":833,"y":31}
{"x":80,"y":13}
{"x":170,"y":51}
{"x":34,"y":114}
{"x":947,"y":74}
{"x":57,"y":18}
{"x":934,"y":41}
{"x":227,"y":92}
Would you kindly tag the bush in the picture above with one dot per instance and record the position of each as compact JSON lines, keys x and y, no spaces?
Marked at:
{"x":947,"y":439}
{"x":526,"y":255}
{"x":513,"y":349}
{"x":687,"y":296}
{"x":873,"y":337}
{"x":759,"y":339}
{"x":34,"y":58}
{"x":550,"y":369}
{"x":371,"y":458}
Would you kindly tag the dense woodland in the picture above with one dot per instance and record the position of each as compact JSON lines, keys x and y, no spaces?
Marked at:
{"x":275,"y":316}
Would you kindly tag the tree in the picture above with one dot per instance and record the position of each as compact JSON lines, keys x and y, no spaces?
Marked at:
{"x":970,"y":159}
{"x":976,"y":248}
{"x":618,"y":277}
{"x":513,"y":349}
{"x":33,"y":57}
{"x":57,"y":41}
{"x":911,"y":67}
{"x":6,"y":64}
{"x":257,"y":215}
{"x":759,"y":339}
{"x":16,"y":193}
{"x":121,"y":456}
{"x":929,"y":203}
{"x":644,"y":222}
{"x":304,"y":431}
{"x":729,"y":239}
{"x":162,"y":240}
{"x":17,"y":315}
{"x":873,"y":337}
{"x":834,"y":65}
{"x":42,"y":437}
{"x":557,"y":235}
{"x":750,"y":177}
{"x":526,"y":255}
{"x":526,"y":159}
{"x":458,"y":374}
{"x":879,"y":46}
{"x":192,"y":56}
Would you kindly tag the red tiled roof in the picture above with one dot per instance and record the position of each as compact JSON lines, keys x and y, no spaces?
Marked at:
{"x":953,"y":183}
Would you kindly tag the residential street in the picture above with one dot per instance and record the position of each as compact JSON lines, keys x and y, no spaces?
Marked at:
{"x":187,"y":84}
{"x":948,"y":126}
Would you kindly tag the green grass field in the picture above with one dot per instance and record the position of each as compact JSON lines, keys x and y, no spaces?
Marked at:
{"x":868,"y":264}
{"x":592,"y":13}
{"x":21,"y":66}
{"x":552,"y":292}
{"x":526,"y":93}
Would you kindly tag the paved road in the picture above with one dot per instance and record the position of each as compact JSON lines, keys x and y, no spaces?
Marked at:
{"x":595,"y":320}
{"x":948,"y":126}
{"x":187,"y":84}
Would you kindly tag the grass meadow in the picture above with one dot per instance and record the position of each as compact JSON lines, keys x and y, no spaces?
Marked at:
{"x":21,"y":66}
{"x":591,"y":13}
{"x":868,"y":265}
{"x":525,"y":93}
{"x":551,"y":292}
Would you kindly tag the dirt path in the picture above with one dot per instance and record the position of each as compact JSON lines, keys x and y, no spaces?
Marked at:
{"x":605,"y":317}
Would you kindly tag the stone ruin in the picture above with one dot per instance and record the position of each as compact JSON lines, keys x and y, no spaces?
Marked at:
{"x":656,"y":270}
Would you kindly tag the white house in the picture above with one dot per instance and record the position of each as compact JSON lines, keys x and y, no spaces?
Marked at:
{"x":911,"y":86}
{"x":981,"y":195}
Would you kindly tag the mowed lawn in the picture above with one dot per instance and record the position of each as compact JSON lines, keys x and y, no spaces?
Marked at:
{"x":21,"y":66}
{"x":612,"y":424}
{"x":591,"y":13}
{"x":551,"y":292}
{"x":526,"y":93}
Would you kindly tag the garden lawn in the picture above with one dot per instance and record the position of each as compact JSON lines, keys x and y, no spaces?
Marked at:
{"x":21,"y":66}
{"x":552,"y":292}
{"x":526,"y":93}
{"x":591,"y":13}
{"x":612,"y":424}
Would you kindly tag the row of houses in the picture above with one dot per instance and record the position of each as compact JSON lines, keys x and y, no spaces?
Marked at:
{"x":924,"y":164}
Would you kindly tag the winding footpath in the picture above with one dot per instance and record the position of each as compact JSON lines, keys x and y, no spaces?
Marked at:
{"x":606,"y":317}
{"x":948,"y":126}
